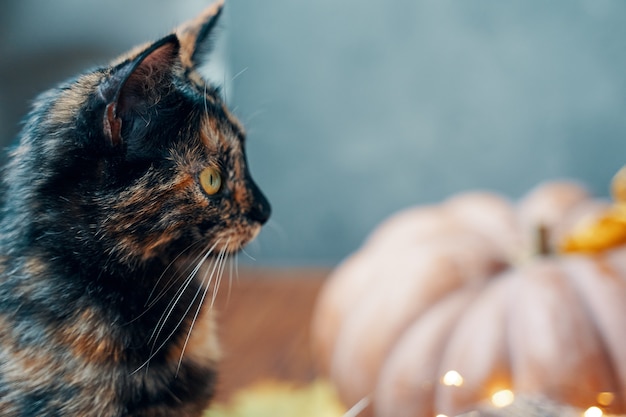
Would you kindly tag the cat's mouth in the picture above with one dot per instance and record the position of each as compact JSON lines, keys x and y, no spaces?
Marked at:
{"x":233,"y":240}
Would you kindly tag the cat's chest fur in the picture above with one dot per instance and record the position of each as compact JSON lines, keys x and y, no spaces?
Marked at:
{"x":60,"y":346}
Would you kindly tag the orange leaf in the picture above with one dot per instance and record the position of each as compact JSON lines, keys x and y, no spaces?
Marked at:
{"x":606,"y":232}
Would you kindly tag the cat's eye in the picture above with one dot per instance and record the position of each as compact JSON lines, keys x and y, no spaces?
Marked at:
{"x":210,"y":180}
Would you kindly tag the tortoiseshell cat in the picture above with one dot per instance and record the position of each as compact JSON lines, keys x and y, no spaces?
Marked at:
{"x":125,"y":181}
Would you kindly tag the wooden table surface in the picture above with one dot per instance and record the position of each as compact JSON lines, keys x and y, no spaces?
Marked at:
{"x":264,"y":327}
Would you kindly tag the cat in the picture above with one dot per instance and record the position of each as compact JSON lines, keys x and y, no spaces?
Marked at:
{"x":126,"y":193}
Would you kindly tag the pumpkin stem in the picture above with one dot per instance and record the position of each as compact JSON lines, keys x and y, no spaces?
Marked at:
{"x":543,"y":241}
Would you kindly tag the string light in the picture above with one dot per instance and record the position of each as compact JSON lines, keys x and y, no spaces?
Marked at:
{"x":593,"y":412}
{"x":452,"y":379}
{"x":605,"y":398}
{"x":503,"y":398}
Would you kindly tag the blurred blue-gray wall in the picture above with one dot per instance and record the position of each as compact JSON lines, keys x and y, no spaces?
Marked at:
{"x":356,"y":109}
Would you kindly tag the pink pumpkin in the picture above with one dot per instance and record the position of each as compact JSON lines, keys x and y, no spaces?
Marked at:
{"x":445,"y":305}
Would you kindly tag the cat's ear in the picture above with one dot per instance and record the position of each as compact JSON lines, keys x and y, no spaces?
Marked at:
{"x":195,"y":35}
{"x":133,"y":85}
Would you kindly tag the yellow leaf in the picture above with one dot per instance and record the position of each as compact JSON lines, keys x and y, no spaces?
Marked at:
{"x":281,"y":399}
{"x":605,"y":233}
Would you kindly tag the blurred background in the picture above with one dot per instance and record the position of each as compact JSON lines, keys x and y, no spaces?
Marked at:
{"x":356,"y":108}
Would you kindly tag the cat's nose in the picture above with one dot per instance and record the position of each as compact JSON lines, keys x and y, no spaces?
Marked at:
{"x":260,"y":209}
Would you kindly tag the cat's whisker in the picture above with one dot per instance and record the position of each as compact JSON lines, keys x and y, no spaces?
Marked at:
{"x":218,"y":265}
{"x":187,"y":281}
{"x":240,"y":73}
{"x":217,"y":269}
{"x":169,"y":285}
{"x":195,"y":317}
{"x":146,"y":121}
{"x":224,"y":93}
{"x":274,"y":226}
{"x":155,"y":350}
{"x":237,"y":266}
{"x":248,"y":255}
{"x":169,"y":310}
{"x":220,"y":273}
{"x":172,"y":280}
{"x":172,"y":304}
{"x":167,"y":268}
{"x":255,"y":115}
{"x":230,"y":276}
{"x":219,"y":262}
{"x":206,"y":107}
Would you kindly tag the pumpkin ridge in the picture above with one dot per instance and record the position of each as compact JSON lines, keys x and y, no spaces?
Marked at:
{"x":493,"y":367}
{"x":555,"y":349}
{"x":601,"y":266}
{"x":398,"y":385}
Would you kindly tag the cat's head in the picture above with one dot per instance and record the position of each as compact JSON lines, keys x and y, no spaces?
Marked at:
{"x":141,"y":158}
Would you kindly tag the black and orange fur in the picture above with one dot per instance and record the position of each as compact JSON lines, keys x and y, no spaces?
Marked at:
{"x":103,"y":311}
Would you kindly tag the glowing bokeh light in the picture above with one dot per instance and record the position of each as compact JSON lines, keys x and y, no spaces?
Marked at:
{"x":502,"y":398}
{"x":452,"y":379}
{"x":593,"y":412}
{"x":605,"y":398}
